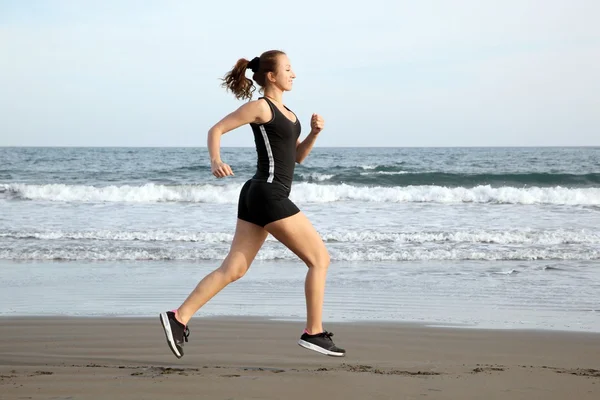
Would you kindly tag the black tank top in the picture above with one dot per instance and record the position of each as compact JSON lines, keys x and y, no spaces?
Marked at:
{"x":276,"y":147}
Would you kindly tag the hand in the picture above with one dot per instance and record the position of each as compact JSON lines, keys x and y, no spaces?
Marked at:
{"x":316,"y":124}
{"x":220,"y":169}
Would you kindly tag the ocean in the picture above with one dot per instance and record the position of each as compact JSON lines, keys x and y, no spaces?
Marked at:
{"x":503,"y":238}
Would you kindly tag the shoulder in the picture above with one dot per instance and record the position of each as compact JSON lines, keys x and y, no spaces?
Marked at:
{"x":255,"y":104}
{"x":258,"y":109}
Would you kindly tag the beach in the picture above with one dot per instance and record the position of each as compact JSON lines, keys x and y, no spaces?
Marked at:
{"x":257,"y":358}
{"x":457,"y":201}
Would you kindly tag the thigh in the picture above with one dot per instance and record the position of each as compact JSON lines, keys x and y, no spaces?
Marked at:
{"x":299,"y":235}
{"x":247,"y":240}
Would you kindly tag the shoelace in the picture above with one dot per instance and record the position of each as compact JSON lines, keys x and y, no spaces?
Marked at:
{"x":326,"y":334}
{"x":186,"y":333}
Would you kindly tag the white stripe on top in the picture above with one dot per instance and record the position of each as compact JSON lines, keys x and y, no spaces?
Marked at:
{"x":270,"y":153}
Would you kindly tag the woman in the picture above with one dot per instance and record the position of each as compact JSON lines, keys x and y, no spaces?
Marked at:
{"x":264,"y":206}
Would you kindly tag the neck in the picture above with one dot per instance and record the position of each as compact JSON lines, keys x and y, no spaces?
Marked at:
{"x":274,"y":94}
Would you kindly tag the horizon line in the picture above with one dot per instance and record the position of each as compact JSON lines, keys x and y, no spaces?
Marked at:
{"x":316,"y":147}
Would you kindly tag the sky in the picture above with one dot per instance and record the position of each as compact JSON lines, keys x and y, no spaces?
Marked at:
{"x":381,"y":73}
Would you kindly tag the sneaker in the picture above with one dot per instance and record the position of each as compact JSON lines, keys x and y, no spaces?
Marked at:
{"x":175,"y":332}
{"x":321,"y":343}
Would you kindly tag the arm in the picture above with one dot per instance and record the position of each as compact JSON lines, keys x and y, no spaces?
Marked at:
{"x":304,"y":148}
{"x":253,"y":111}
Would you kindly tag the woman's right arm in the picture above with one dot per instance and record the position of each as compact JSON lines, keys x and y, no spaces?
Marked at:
{"x":254,"y":111}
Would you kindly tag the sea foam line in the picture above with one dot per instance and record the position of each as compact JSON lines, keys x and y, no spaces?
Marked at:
{"x":166,"y":253}
{"x":306,"y":192}
{"x":503,"y":237}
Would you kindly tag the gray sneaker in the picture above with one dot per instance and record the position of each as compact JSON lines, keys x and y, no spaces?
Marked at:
{"x":321,"y":343}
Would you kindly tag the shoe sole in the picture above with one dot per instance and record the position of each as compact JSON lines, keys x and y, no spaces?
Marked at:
{"x":164,"y":320}
{"x":310,"y":346}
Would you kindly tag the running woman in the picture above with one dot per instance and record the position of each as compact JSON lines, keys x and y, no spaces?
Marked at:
{"x":264,"y":206}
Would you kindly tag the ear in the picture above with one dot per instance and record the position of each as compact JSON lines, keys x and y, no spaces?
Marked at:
{"x":271,"y":77}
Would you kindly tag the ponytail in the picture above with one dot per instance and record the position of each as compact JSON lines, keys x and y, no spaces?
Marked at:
{"x":242,"y":87}
{"x":236,"y":81}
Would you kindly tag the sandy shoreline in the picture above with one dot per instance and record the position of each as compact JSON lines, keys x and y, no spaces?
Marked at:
{"x":243,"y":358}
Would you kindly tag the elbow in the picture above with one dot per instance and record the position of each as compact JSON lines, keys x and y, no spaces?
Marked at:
{"x":213,"y":133}
{"x":216,"y":130}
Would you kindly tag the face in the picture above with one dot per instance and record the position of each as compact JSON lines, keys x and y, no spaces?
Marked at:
{"x":284,"y":76}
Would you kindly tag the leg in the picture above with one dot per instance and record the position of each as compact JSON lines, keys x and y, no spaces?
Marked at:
{"x":299,"y":235}
{"x":247,"y":241}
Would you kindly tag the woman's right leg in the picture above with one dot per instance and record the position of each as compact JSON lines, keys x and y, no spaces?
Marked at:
{"x":298,"y":234}
{"x":247,"y":241}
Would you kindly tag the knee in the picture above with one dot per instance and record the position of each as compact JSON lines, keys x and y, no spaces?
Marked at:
{"x":233,"y":272}
{"x":319,"y":261}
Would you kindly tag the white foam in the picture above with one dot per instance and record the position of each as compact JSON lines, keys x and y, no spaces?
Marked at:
{"x":96,"y":253}
{"x":149,"y":236}
{"x":528,"y":237}
{"x":315,"y":176}
{"x":384,"y":173}
{"x":125,"y":193}
{"x":308,"y":192}
{"x":304,"y":192}
{"x":560,"y":236}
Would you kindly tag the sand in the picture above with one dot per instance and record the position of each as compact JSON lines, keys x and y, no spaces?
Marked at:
{"x":245,"y":358}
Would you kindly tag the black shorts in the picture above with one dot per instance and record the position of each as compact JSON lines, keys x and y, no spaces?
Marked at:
{"x":261,"y":203}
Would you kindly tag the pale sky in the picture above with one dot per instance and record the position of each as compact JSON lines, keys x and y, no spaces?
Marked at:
{"x":381,"y":73}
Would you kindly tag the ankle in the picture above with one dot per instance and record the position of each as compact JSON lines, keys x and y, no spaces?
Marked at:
{"x":179,"y":318}
{"x":313,"y":330}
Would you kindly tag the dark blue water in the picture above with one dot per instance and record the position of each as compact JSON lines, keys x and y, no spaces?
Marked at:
{"x":451,"y":167}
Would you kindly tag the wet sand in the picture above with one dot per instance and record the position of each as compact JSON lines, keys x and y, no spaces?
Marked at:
{"x":246,"y":358}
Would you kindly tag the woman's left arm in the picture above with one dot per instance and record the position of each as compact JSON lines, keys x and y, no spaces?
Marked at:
{"x":303,"y":148}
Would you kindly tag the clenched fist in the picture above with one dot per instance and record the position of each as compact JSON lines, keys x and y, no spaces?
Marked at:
{"x":220,"y":169}
{"x":317,"y":123}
